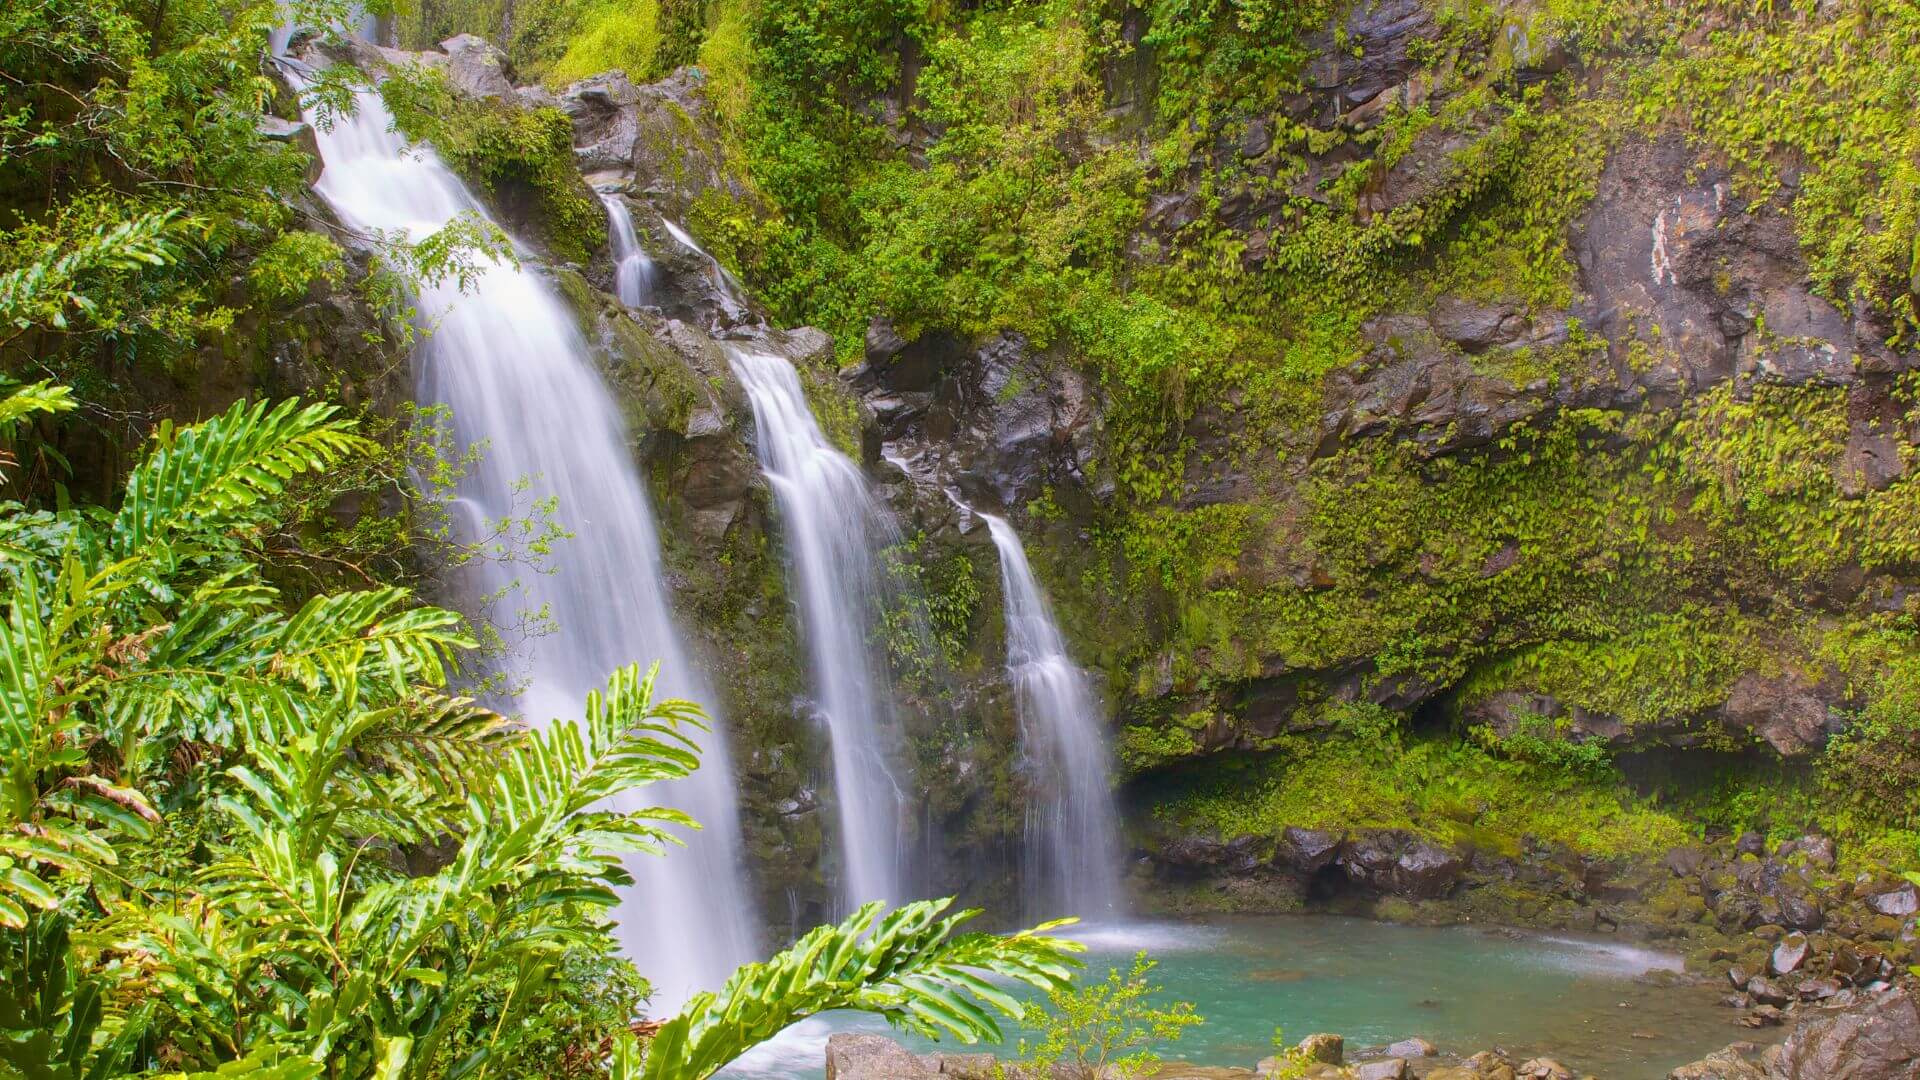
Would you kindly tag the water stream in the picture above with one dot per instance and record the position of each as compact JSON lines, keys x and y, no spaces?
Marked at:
{"x":632,"y":267}
{"x":508,"y":360}
{"x":833,"y":528}
{"x":1072,"y":852}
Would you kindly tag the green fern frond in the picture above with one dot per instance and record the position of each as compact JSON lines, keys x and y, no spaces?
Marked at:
{"x":208,"y":475}
{"x":907,"y":967}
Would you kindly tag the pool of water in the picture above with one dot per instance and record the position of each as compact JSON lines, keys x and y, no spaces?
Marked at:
{"x":1590,"y":1003}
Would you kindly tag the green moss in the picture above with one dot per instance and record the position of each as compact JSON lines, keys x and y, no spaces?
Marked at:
{"x":1673,"y":667}
{"x":1449,"y":791}
{"x":509,"y":152}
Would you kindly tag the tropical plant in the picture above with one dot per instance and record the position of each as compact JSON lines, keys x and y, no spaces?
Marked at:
{"x":906,"y":966}
{"x":1106,"y":1028}
{"x":257,"y":838}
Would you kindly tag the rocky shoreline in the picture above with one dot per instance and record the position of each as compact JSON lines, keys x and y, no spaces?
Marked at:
{"x":1857,"y":1035}
{"x":1783,"y":928}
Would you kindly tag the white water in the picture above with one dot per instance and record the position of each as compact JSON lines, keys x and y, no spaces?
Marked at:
{"x":833,"y":528}
{"x":1072,"y":852}
{"x":507,"y":359}
{"x":632,"y":268}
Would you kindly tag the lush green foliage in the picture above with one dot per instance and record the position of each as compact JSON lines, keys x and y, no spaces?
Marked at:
{"x":238,"y":832}
{"x":1440,"y":787}
{"x":907,"y":966}
{"x":1104,"y":1029}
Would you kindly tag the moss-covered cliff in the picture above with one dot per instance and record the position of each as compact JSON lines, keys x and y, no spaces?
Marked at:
{"x":1519,"y":386}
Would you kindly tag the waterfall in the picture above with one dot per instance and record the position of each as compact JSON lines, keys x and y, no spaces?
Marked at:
{"x":508,"y":360}
{"x":833,"y":527}
{"x":632,"y":269}
{"x":1073,"y":849}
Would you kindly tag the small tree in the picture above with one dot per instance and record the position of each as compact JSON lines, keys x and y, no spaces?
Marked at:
{"x":1105,"y":1029}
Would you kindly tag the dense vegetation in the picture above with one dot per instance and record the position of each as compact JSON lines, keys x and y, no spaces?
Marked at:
{"x":251,"y":827}
{"x":248,"y":826}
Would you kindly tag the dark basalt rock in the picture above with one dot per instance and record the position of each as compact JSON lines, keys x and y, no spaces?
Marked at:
{"x":1308,"y":851}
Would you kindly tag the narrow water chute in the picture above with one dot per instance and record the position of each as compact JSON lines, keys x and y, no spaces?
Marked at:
{"x":833,"y":530}
{"x":1072,"y":852}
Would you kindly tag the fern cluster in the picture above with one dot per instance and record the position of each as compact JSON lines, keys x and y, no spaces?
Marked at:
{"x":244,"y":837}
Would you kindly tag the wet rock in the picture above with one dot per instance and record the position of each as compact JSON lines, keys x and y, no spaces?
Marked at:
{"x":1543,"y":1068}
{"x":1764,"y":1016}
{"x":1734,"y":1063}
{"x":1799,"y":910}
{"x":1685,"y":862}
{"x":1789,"y":954}
{"x":1415,"y":1047}
{"x":1309,"y":851}
{"x":873,"y":1057}
{"x":1393,"y":862}
{"x":1818,"y":851}
{"x":1872,"y":461}
{"x":1877,"y":1039}
{"x":1426,"y":870}
{"x":1323,"y":1047}
{"x":1209,"y":856}
{"x":1469,"y":325}
{"x":477,"y":68}
{"x":1767,"y":992}
{"x":1385,"y":1069}
{"x":1818,"y":989}
{"x":1897,"y":903}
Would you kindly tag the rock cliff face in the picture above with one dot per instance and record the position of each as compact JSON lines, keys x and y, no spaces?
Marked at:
{"x":1252,"y":612}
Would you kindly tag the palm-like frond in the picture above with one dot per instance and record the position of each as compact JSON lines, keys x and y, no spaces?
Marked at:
{"x":33,"y":398}
{"x":207,"y":474}
{"x":907,"y":967}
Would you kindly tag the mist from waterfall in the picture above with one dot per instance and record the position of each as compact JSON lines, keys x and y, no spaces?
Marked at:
{"x":632,"y":267}
{"x":507,"y":359}
{"x":1072,"y":852}
{"x":833,"y":529}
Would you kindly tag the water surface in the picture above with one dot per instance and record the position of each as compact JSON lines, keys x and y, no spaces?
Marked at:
{"x":1589,"y":1003}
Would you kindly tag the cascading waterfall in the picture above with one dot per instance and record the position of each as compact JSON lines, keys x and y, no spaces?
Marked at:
{"x":833,"y":527}
{"x":506,"y":358}
{"x":1073,"y":836}
{"x":632,"y":268}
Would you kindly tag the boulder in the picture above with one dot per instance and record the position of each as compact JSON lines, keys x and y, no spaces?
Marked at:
{"x":1542,"y":1068}
{"x":1384,"y":1069}
{"x":1789,"y":715}
{"x":1323,"y":1047}
{"x":476,"y":68}
{"x":1897,"y":903}
{"x":1415,"y":1047}
{"x":1789,"y":954}
{"x":1818,"y":851}
{"x":1767,"y":992}
{"x":1733,"y":1063}
{"x":1309,"y":851}
{"x":873,"y":1057}
{"x":1426,"y":870}
{"x":1876,"y":1039}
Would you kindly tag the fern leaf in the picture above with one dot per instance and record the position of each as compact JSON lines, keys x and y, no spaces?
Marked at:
{"x":208,"y":475}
